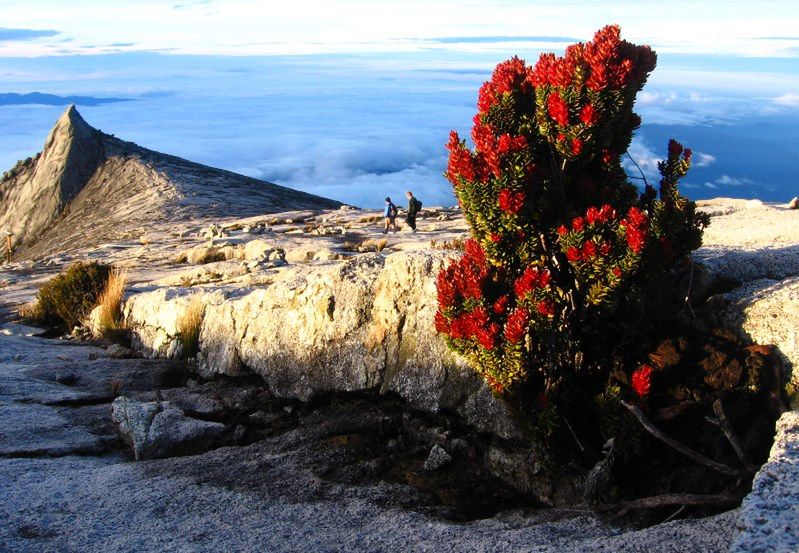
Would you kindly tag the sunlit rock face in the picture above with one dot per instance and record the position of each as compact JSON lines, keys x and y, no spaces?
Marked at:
{"x":366,"y":323}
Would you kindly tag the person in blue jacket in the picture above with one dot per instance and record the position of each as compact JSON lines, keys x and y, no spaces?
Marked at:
{"x":390,"y":216}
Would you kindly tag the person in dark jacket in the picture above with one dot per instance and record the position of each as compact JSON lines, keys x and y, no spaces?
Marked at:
{"x":390,"y":216}
{"x":414,"y":206}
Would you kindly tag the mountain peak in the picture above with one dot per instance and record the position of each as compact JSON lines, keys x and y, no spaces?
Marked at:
{"x":87,"y":187}
{"x":70,"y":126}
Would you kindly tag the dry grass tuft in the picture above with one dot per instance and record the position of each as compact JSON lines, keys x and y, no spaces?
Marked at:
{"x":456,"y":244}
{"x":65,"y":300}
{"x":30,"y":312}
{"x":110,"y":323}
{"x":189,"y":325}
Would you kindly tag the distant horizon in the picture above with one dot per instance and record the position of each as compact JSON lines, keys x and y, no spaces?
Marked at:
{"x":359,"y":103}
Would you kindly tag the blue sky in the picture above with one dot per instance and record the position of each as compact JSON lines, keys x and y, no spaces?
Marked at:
{"x":354,"y":99}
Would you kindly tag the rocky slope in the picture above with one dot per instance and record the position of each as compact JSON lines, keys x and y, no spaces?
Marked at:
{"x":299,"y":300}
{"x":86,"y":187}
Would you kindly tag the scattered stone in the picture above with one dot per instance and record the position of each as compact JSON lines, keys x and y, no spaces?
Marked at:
{"x":117,"y":351}
{"x":158,"y":429}
{"x":458,"y":445}
{"x":67,"y":379}
{"x":82,"y":333}
{"x":239,"y":434}
{"x":214,"y":231}
{"x":437,"y":458}
{"x":265,"y":420}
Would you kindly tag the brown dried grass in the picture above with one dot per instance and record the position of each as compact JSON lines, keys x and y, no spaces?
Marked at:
{"x":189,"y":324}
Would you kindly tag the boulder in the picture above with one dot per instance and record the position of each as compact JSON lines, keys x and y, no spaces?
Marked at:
{"x":437,"y":458}
{"x":769,"y":516}
{"x":257,"y":249}
{"x":764,"y":311}
{"x":158,"y":429}
{"x":366,"y":323}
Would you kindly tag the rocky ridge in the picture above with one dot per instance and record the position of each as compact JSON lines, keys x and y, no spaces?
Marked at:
{"x":87,"y":187}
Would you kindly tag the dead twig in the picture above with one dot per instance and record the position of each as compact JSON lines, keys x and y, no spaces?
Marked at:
{"x":574,"y":435}
{"x":724,"y":424}
{"x":667,"y":500}
{"x":674,"y":444}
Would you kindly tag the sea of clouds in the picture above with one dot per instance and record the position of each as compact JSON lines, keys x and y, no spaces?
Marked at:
{"x":360,"y":127}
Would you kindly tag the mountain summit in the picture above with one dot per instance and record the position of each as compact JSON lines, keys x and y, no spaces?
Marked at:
{"x":87,"y":187}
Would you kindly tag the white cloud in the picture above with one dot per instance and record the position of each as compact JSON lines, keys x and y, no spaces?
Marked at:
{"x":703,"y":160}
{"x":790,"y":99}
{"x":727,"y":180}
{"x":245,"y":27}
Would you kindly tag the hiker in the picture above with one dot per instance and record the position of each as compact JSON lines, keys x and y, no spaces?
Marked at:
{"x":414,"y":207}
{"x":9,"y":246}
{"x":390,"y":216}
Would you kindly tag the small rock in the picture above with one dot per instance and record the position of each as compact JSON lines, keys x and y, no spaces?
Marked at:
{"x":239,"y":434}
{"x":67,"y":379}
{"x":438,"y":458}
{"x":265,"y":419}
{"x":794,"y":204}
{"x":459,"y":444}
{"x":92,"y":356}
{"x":158,"y":429}
{"x":116,"y":351}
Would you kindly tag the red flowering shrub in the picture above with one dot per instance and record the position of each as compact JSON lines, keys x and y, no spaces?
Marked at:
{"x":561,"y":241}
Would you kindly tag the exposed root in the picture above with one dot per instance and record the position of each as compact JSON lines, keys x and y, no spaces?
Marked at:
{"x":674,"y":444}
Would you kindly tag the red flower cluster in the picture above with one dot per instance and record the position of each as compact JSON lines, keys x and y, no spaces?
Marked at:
{"x":516,"y":325}
{"x":511,"y":201}
{"x":463,"y":278}
{"x":501,"y":304}
{"x":599,"y":216}
{"x":558,"y":109}
{"x":462,"y":164}
{"x":637,"y":229}
{"x":491,"y":148}
{"x":615,"y":63}
{"x":474,"y":325}
{"x":506,"y":143}
{"x":586,"y":252}
{"x":531,"y":278}
{"x":546,"y":308}
{"x":642,"y":380}
{"x":508,"y":76}
{"x":588,"y":115}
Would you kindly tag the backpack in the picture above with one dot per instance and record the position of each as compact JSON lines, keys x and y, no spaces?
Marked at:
{"x":392,"y":210}
{"x":418,"y":205}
